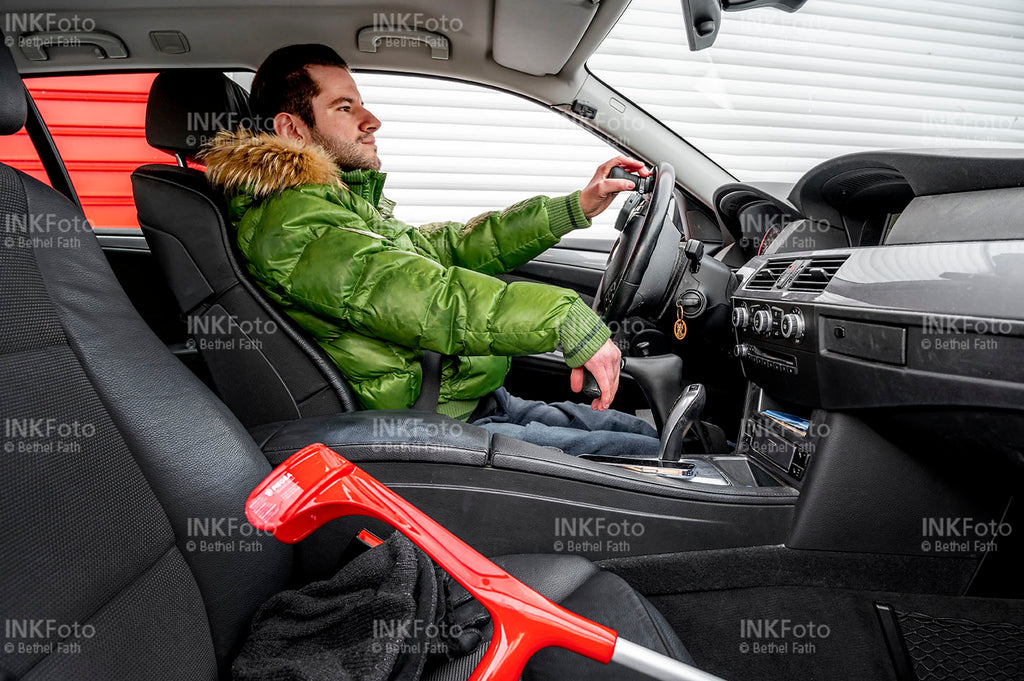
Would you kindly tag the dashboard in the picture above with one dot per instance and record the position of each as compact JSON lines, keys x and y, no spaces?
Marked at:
{"x":858,"y":200}
{"x":885,"y":281}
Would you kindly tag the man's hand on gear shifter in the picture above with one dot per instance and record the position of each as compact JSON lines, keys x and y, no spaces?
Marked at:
{"x":605,"y":366}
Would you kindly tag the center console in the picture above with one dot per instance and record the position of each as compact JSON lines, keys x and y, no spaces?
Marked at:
{"x":504,"y":495}
{"x":701,"y":470}
{"x":780,"y":436}
{"x":873,"y":374}
{"x":776,"y":343}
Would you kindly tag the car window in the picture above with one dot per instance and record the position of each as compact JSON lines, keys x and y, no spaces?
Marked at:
{"x":98,"y":125}
{"x":778,"y":93}
{"x":453,"y":150}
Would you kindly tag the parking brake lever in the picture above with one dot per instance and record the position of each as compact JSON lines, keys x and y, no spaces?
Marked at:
{"x":591,"y":390}
{"x":685,"y":414}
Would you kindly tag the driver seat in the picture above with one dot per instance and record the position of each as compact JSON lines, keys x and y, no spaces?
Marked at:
{"x":116,"y":456}
{"x":264,"y":367}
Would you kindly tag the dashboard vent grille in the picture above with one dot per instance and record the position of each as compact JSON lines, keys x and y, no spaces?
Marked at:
{"x":815,"y":275}
{"x":764,"y":279}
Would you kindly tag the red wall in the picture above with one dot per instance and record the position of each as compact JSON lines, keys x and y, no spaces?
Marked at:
{"x":98,"y":124}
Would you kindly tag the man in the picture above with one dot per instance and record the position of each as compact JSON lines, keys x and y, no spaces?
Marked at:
{"x":320,"y":238}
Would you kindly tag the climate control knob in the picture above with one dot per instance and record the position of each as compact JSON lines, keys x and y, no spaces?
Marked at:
{"x":740,"y":317}
{"x":763,"y":322}
{"x":792,"y":326}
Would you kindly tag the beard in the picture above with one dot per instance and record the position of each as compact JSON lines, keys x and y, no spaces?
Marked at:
{"x":348,"y":155}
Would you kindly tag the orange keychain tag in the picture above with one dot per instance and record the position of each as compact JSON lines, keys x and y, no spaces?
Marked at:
{"x":679,"y":329}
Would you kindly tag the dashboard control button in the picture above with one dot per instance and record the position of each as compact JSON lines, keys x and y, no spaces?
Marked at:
{"x":740,"y":317}
{"x":763,"y":322}
{"x":792,"y":326}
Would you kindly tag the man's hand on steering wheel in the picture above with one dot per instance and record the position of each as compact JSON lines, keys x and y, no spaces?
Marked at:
{"x":601,"y":191}
{"x":605,"y":365}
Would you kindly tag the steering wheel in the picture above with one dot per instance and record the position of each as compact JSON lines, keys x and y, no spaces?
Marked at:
{"x":640,"y":222}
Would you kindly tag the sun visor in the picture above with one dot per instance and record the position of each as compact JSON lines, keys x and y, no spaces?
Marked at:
{"x":539,"y":36}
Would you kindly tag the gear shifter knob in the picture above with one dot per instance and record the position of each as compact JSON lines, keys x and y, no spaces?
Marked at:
{"x":685,"y":414}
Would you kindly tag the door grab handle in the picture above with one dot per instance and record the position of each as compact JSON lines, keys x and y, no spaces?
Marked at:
{"x":33,"y":45}
{"x":370,"y":38}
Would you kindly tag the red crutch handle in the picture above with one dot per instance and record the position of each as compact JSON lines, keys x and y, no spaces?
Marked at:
{"x":316,"y":485}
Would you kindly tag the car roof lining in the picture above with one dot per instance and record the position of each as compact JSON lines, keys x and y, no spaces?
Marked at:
{"x":260,"y":26}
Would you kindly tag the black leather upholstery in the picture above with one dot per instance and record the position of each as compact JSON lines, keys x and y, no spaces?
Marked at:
{"x":123,"y":463}
{"x":264,"y":367}
{"x":577,"y":584}
{"x":191,"y":106}
{"x":380,"y":435}
{"x":13,"y":106}
{"x":166,"y":451}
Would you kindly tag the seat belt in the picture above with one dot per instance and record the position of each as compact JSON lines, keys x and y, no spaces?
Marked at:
{"x":430,"y":388}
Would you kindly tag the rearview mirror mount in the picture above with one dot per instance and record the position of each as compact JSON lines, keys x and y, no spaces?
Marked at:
{"x":703,"y":18}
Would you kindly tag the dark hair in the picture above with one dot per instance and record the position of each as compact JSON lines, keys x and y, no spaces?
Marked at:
{"x":282,"y":82}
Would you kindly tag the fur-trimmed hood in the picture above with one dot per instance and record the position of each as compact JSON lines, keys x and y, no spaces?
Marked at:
{"x":264,"y":164}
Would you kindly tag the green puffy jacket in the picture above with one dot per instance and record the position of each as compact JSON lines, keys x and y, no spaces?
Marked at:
{"x":376,"y":292}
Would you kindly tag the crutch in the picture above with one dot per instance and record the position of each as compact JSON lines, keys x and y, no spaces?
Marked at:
{"x":316,"y":485}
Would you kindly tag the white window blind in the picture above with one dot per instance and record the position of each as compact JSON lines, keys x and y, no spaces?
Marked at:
{"x":779,"y":93}
{"x":453,"y":151}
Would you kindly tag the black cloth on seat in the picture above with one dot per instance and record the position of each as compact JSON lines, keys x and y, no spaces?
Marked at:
{"x":351,"y":627}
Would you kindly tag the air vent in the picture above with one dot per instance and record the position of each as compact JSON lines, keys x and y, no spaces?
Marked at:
{"x":764,"y":279}
{"x":814,"y":276}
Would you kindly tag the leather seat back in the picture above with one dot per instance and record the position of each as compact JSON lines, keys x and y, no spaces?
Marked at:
{"x":263,"y":366}
{"x":120,"y":471}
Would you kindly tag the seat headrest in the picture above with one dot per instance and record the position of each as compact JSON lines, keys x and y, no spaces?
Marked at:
{"x":13,"y":108}
{"x":187,"y":108}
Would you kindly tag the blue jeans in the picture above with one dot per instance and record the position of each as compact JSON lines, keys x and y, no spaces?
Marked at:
{"x":574,"y":428}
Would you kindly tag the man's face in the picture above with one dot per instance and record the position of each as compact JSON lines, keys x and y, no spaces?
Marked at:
{"x":343,"y":126}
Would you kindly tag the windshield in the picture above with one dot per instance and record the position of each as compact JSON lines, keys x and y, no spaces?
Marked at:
{"x":778,"y":93}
